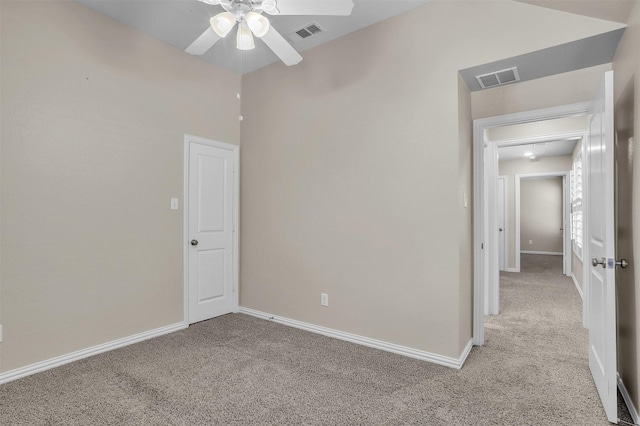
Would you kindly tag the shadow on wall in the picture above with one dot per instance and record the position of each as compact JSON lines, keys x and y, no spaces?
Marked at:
{"x":625,"y":282}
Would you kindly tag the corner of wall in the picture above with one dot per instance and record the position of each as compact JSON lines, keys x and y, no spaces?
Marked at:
{"x":465,"y":189}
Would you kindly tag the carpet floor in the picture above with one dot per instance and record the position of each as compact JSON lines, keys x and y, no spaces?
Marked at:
{"x":239,"y":370}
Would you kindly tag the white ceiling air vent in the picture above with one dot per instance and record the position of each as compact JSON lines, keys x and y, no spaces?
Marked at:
{"x":498,"y":78}
{"x":305,"y":32}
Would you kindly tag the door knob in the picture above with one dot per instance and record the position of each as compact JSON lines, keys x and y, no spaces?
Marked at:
{"x":622,"y":263}
{"x":500,"y":229}
{"x":194,"y":242}
{"x":596,"y":262}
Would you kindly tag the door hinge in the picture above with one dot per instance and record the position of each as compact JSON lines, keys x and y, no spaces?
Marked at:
{"x":481,"y":246}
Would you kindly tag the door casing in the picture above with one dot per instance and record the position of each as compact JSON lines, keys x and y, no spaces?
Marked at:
{"x":485,"y":250}
{"x":188,"y":141}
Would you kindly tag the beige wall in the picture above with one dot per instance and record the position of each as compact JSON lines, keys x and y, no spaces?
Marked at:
{"x":93,"y":121}
{"x":541,"y":215}
{"x":561,"y":89}
{"x":626,"y":66}
{"x":511,"y":168}
{"x":351,"y":172}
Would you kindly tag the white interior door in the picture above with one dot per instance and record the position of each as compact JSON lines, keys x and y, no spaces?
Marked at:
{"x":211,"y":251}
{"x":600,"y":237}
{"x":501,"y":223}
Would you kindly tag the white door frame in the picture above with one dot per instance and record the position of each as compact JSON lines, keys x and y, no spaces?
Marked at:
{"x":566,"y":237}
{"x":188,"y":141}
{"x":485,"y":249}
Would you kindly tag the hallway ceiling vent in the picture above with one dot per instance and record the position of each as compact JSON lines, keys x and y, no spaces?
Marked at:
{"x":498,"y":78}
{"x":305,"y":32}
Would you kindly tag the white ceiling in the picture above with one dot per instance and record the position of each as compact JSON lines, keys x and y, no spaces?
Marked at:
{"x":180,"y":22}
{"x":539,"y":150}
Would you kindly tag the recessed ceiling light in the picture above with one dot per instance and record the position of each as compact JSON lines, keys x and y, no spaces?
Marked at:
{"x":528,"y":154}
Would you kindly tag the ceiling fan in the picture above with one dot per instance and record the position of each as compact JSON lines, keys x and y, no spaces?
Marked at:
{"x":248,"y":15}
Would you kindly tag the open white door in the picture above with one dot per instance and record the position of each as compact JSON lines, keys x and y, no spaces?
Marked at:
{"x":601,"y":244}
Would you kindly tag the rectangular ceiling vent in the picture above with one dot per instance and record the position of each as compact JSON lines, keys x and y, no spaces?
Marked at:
{"x":306,"y":32}
{"x":498,"y":78}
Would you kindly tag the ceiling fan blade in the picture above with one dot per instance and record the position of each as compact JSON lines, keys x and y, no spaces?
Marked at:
{"x":203,"y":43}
{"x":281,"y":47}
{"x":312,"y":7}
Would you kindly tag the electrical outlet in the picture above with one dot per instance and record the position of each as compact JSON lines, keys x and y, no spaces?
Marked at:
{"x":324,"y":299}
{"x":530,"y":242}
{"x":174,"y":204}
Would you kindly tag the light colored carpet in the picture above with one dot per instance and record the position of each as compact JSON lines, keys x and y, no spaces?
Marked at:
{"x":241,"y":370}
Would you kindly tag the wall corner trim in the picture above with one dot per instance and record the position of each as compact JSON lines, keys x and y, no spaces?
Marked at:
{"x":575,"y":281}
{"x":627,"y":400}
{"x":456,"y":363}
{"x":85,"y":353}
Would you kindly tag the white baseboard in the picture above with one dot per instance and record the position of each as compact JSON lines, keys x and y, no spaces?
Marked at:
{"x":628,"y":401}
{"x":85,"y":353}
{"x":550,"y":253}
{"x":575,"y":281}
{"x":366,"y":341}
{"x":510,"y":270}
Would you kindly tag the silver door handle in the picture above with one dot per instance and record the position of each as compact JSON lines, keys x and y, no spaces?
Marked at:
{"x":622,"y":263}
{"x":194,"y":242}
{"x":596,"y":262}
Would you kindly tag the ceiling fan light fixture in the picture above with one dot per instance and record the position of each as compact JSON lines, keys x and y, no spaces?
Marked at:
{"x":258,"y":24}
{"x":223,"y":23}
{"x":269,"y":5}
{"x":244,"y":39}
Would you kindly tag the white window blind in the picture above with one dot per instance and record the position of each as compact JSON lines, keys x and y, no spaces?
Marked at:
{"x":576,"y":205}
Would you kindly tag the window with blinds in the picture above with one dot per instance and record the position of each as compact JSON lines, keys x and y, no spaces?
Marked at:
{"x":576,"y":205}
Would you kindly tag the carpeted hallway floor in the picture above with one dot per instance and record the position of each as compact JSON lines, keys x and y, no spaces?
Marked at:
{"x":241,"y":370}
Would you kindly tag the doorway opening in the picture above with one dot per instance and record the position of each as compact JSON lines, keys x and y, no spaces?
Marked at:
{"x":528,"y":180}
{"x":490,"y":135}
{"x":598,"y":309}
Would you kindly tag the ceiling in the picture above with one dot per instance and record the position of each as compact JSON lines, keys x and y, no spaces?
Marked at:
{"x":609,"y":10}
{"x":539,"y":150}
{"x":180,"y":22}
